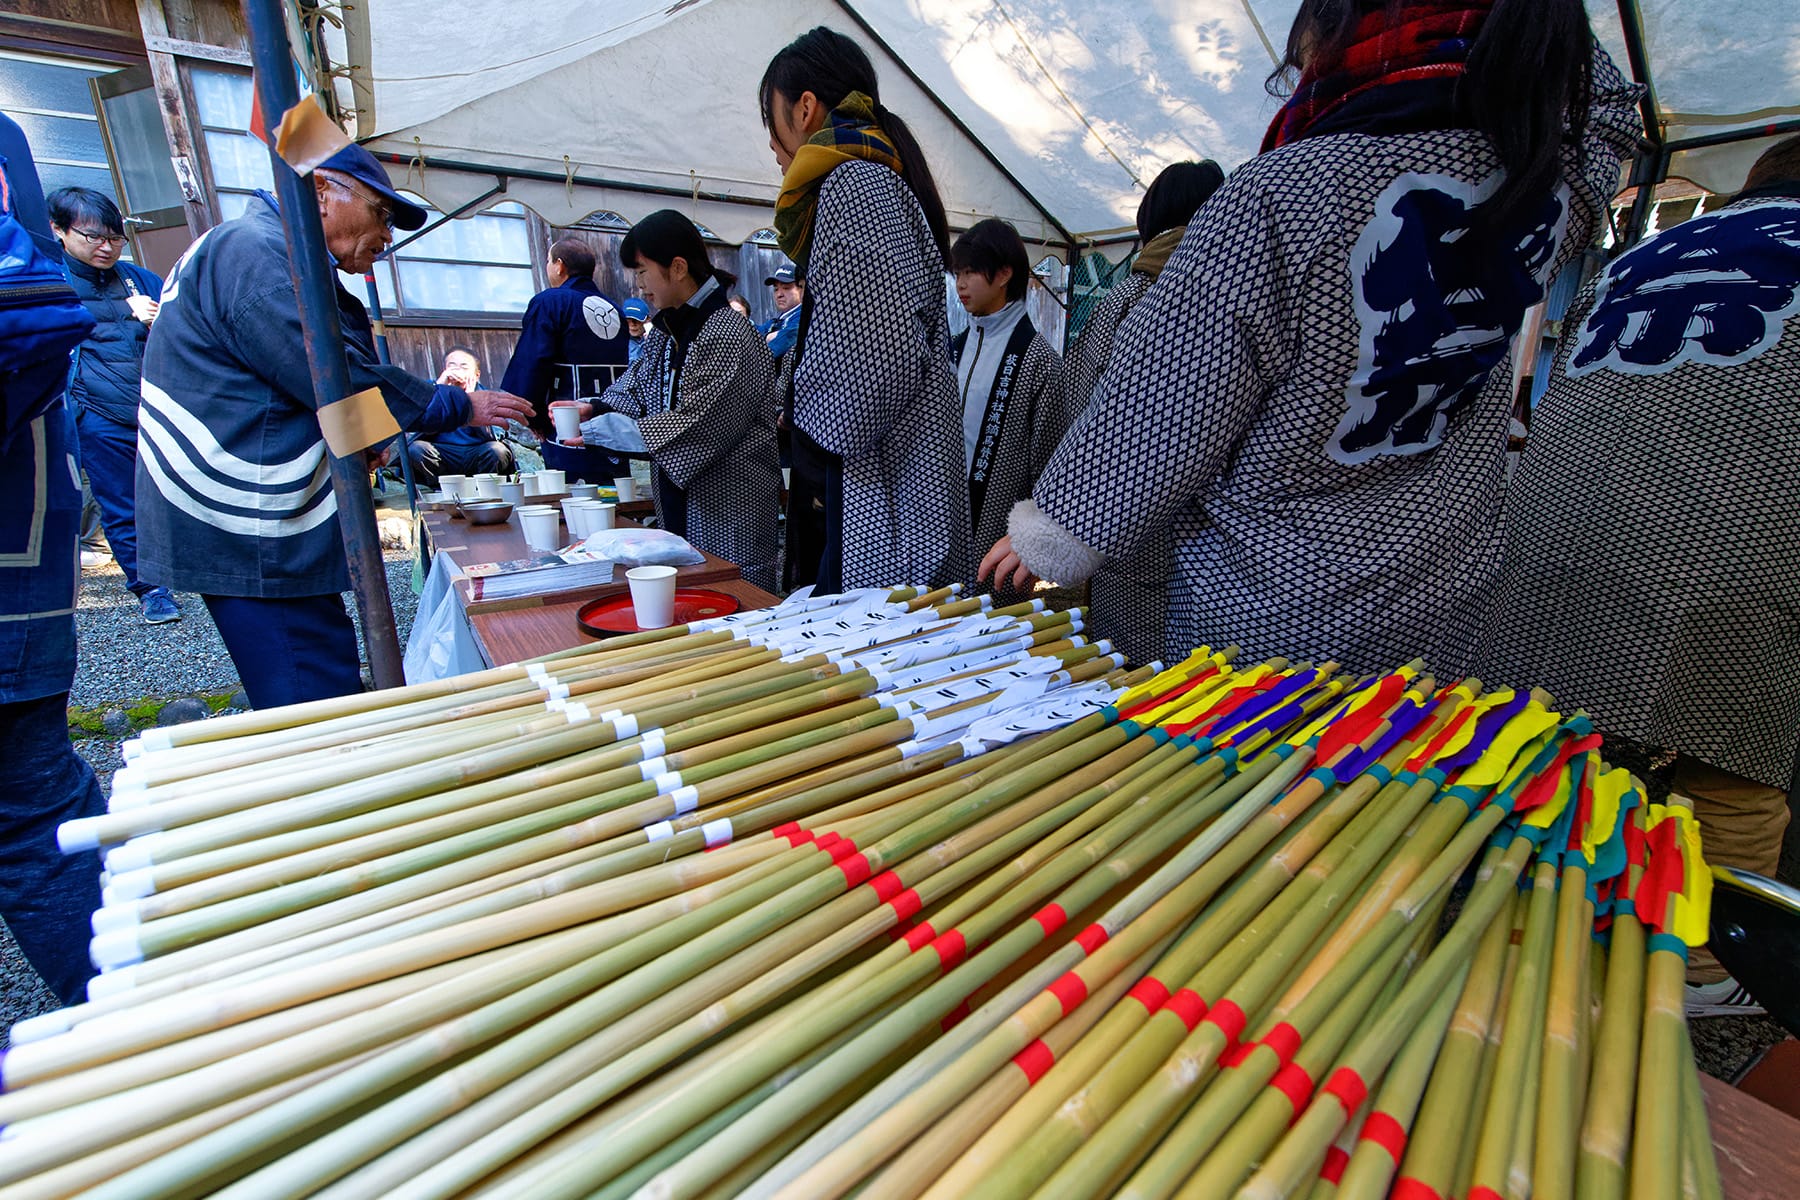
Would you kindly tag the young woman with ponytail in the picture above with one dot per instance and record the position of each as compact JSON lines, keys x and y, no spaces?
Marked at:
{"x":872,"y":404}
{"x":1313,"y":397}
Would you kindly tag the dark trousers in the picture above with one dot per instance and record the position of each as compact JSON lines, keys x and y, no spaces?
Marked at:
{"x":109,"y":456}
{"x":46,"y":897}
{"x":585,"y":464}
{"x":430,"y":460}
{"x":289,"y":649}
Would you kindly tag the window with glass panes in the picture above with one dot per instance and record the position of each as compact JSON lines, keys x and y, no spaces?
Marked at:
{"x":49,"y":98}
{"x":475,"y":264}
{"x":238,"y":161}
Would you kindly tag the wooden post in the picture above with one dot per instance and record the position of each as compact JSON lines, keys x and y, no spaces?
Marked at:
{"x":175,"y":116}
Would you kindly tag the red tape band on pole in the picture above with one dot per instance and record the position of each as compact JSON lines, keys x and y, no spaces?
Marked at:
{"x":1384,"y":1131}
{"x":1051,"y":917}
{"x":1350,"y":1091}
{"x":1335,"y":1162}
{"x":1293,"y":1082}
{"x":1034,"y":1060}
{"x":1284,"y":1040}
{"x":1483,"y":1193}
{"x":1150,"y":993}
{"x":785,"y":828}
{"x":1070,"y":991}
{"x":856,"y":869}
{"x":920,"y":936}
{"x":1091,"y":938}
{"x":887,"y":885}
{"x":950,"y":948}
{"x":1408,"y":1188}
{"x":1230,"y":1019}
{"x":1187,"y":1005}
{"x":906,"y":905}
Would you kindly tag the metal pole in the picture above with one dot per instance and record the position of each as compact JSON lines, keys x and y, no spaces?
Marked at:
{"x":381,"y":352}
{"x":310,"y":264}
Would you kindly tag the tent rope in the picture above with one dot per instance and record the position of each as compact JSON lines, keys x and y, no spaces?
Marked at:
{"x":1066,"y":98}
{"x":569,"y":180}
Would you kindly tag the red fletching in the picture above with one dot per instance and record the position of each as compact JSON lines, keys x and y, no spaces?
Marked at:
{"x":1354,"y":728}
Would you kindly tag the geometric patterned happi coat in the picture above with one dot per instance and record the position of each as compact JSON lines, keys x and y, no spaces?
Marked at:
{"x":873,"y":385}
{"x":1652,"y":569}
{"x":1314,"y":395}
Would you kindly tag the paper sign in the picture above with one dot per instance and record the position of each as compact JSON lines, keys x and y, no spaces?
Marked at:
{"x":357,"y":422}
{"x":307,"y":137}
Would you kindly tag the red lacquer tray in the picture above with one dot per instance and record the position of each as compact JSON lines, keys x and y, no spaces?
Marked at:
{"x":603,"y":618}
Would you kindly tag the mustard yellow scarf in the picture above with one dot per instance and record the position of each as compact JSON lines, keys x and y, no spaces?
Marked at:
{"x":851,"y":133}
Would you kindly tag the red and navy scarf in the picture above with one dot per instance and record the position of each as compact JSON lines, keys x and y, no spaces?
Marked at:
{"x":1424,"y":42}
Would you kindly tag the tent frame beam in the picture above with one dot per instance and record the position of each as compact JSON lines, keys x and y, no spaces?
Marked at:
{"x":499,"y":189}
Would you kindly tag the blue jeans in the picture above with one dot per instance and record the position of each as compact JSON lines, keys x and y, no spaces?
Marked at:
{"x":109,"y":456}
{"x":289,"y":649}
{"x":431,"y":459}
{"x":46,"y":897}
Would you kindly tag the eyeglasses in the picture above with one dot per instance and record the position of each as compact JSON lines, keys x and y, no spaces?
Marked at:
{"x":115,"y":240}
{"x":380,"y":207}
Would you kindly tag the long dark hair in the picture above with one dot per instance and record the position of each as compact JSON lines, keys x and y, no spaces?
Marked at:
{"x":666,"y":235}
{"x":831,"y":66}
{"x":1528,"y":86}
{"x":1176,"y":194}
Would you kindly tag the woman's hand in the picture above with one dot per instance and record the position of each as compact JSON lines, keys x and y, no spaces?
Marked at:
{"x":1003,"y":564}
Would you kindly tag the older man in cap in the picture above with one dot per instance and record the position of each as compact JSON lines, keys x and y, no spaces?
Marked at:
{"x":790,"y":290}
{"x":234,"y":497}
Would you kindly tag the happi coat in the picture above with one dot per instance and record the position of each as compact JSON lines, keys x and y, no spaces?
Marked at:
{"x":234,"y":494}
{"x":1314,"y":395}
{"x":1128,"y":600}
{"x":699,"y":392}
{"x":874,"y":404}
{"x":1652,"y":569}
{"x":1023,"y":414}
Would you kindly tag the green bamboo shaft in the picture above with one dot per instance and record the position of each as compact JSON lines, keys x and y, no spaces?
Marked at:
{"x":1699,"y":1166}
{"x":1520,"y":1041}
{"x":1559,"y":1105}
{"x":1432,"y":1151}
{"x":1606,"y":1125}
{"x":1656,"y":1132}
{"x":1470,"y":1141}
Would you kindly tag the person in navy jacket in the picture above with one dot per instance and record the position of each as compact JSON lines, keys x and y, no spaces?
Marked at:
{"x":103,"y":380}
{"x":569,"y":329}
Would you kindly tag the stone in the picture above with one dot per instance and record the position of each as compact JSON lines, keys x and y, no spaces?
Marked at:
{"x":180,"y":712}
{"x":115,"y":722}
{"x":238,"y":701}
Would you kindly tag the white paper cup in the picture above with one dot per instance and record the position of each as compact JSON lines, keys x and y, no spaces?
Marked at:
{"x":512,"y":493}
{"x":568,"y":421}
{"x":487,"y":487}
{"x":549,"y":482}
{"x":600,"y":515}
{"x":652,"y":596}
{"x":452,"y":485}
{"x":543,"y":531}
{"x":585,"y":491}
{"x":575,"y":519}
{"x":626,"y":486}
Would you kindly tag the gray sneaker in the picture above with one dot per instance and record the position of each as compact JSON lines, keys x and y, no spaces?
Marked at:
{"x":159,"y":607}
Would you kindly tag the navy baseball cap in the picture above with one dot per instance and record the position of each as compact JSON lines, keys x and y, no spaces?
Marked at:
{"x":362,"y":166}
{"x":785,"y":273}
{"x":636,"y":309}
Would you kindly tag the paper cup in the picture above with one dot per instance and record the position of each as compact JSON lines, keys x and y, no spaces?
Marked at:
{"x":543,"y":531}
{"x":550,"y":483}
{"x":452,"y":486}
{"x":652,"y":596}
{"x":584,"y":491}
{"x":577,"y":521}
{"x":600,"y":516}
{"x":512,"y":493}
{"x":568,"y":421}
{"x":487,"y":487}
{"x":626,"y":486}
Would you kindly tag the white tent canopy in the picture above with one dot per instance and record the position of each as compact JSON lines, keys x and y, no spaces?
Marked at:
{"x":1053,"y":114}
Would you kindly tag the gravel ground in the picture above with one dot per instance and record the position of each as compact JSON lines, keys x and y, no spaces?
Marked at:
{"x":124,"y":662}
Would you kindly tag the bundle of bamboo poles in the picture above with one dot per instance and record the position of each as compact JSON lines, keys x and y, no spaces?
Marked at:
{"x":891,"y":893}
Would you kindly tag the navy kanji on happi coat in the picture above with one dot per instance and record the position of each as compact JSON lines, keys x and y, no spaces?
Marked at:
{"x":234,"y":492}
{"x":873,"y":389}
{"x":1652,"y":564}
{"x":1025,"y":417}
{"x":699,"y":392}
{"x":1314,"y":396}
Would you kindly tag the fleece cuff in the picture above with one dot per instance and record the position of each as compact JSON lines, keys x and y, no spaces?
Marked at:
{"x":1047,"y":549}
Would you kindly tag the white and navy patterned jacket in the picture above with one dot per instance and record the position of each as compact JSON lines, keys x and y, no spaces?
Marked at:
{"x":234,"y":490}
{"x":1314,"y":397}
{"x":872,"y":385}
{"x":701,"y":403}
{"x":1652,"y":570}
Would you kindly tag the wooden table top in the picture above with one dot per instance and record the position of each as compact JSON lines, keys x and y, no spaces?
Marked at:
{"x":468,"y":544}
{"x":515,"y":634}
{"x":1758,"y":1146}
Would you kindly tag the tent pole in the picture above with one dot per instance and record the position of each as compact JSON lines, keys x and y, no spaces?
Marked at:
{"x":387,"y":359}
{"x":309,"y":263}
{"x":1651,"y":164}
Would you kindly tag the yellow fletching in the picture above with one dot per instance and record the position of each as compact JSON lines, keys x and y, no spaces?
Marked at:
{"x":1609,"y":800}
{"x":1170,"y":677}
{"x":1497,"y":762}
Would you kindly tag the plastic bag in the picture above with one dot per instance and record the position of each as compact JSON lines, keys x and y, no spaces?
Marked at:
{"x":643,"y":548}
